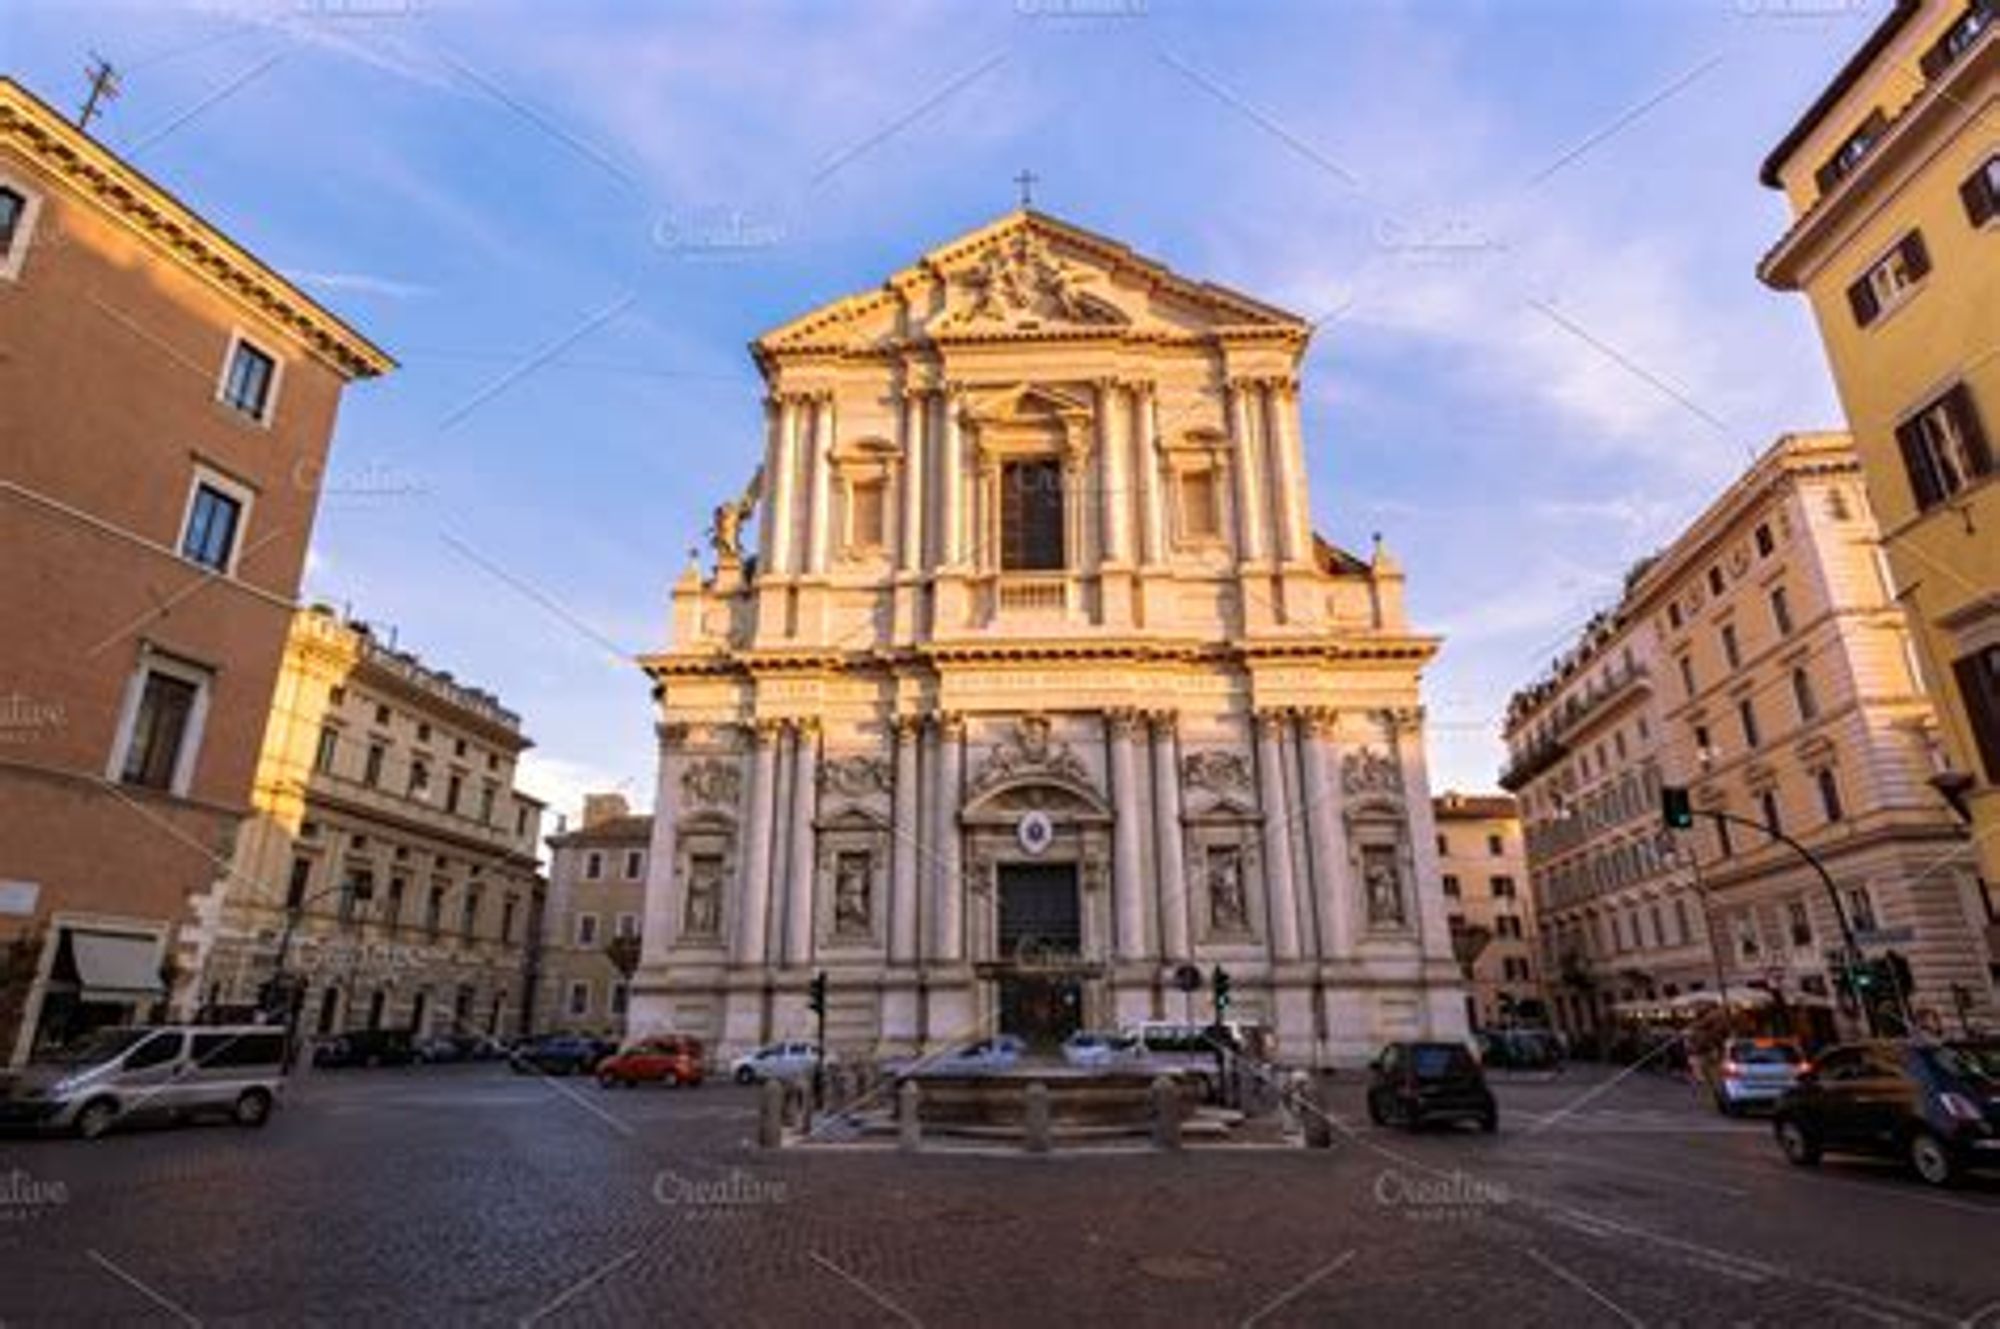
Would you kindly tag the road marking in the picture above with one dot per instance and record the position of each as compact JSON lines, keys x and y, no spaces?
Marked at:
{"x":1329,"y":1268}
{"x":1651,"y":1174}
{"x":1580,"y":1285}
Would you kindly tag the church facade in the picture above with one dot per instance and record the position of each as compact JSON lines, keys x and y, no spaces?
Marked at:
{"x":1039,"y":695}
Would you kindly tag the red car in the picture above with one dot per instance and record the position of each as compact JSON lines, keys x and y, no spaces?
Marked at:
{"x":669,"y":1059}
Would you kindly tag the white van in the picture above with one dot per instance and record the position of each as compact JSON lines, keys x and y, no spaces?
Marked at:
{"x":149,"y":1072}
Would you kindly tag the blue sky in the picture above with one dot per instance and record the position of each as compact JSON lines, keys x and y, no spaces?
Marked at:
{"x":1531,"y":226}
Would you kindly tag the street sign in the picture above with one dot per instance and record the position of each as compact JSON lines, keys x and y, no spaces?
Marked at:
{"x":1902,"y":936}
{"x":1187,"y":978}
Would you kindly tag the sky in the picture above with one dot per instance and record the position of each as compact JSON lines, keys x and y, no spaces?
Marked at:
{"x":1528,"y":230}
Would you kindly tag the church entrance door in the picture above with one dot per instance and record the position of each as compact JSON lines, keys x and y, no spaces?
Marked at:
{"x":1040,"y":960}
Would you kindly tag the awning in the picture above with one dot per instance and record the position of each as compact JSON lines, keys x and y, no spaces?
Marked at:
{"x":116,"y":967}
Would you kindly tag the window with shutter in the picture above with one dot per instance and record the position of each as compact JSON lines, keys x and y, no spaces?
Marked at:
{"x":1889,"y":282}
{"x":1978,"y":677}
{"x":1981,"y":192}
{"x":1944,"y":447}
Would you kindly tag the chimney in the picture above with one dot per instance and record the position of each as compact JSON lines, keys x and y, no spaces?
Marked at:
{"x":600,"y":808}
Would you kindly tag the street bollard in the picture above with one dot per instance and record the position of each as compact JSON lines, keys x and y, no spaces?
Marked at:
{"x":1037,"y":1098}
{"x":770,"y":1114}
{"x":909,"y":1128}
{"x":1316,"y":1115}
{"x":1166,"y":1096}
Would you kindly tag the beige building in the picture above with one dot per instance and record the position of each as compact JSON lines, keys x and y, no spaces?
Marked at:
{"x":1483,"y":871}
{"x":1040,"y":688}
{"x":1775,"y":677}
{"x":1893,"y":179}
{"x":166,"y":402}
{"x":590,"y":933}
{"x":391,"y":866}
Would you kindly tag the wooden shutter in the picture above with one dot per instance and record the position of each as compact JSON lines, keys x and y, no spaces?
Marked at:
{"x":1861,"y":298}
{"x":1965,"y":418}
{"x":1916,"y":255}
{"x":1977,"y":192}
{"x":1978,"y":677}
{"x":1917,"y":462}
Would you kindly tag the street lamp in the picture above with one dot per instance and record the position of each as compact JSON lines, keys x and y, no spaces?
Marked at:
{"x":279,"y":988}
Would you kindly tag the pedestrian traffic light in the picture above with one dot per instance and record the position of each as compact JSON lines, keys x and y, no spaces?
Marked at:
{"x":816,"y":993}
{"x":1219,"y":980}
{"x":1676,"y":808}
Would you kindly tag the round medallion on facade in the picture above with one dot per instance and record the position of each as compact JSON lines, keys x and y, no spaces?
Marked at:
{"x":1035,"y":832}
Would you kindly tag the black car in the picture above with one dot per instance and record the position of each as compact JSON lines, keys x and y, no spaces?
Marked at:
{"x":1413,"y":1084}
{"x":366,"y":1047}
{"x":560,"y":1054}
{"x":1935,"y":1105}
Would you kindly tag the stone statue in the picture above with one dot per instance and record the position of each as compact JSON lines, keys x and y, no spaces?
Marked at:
{"x":1384,"y":884}
{"x":1228,"y":907}
{"x":725,"y":531}
{"x":851,"y":889}
{"x":703,"y":915}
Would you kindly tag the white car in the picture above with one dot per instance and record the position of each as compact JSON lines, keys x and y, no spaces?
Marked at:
{"x":1095,"y":1048}
{"x":776,"y":1061}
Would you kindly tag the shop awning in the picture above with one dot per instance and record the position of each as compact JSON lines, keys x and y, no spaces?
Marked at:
{"x":116,"y":967}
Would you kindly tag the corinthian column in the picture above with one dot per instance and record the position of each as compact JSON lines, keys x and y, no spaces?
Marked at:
{"x":1145,"y":445}
{"x":1406,"y":729}
{"x":663,"y":883}
{"x":1281,"y":407}
{"x":1326,"y":829}
{"x":799,"y":883}
{"x":781,"y":505}
{"x":754,"y":891}
{"x":1283,"y":892}
{"x":903,"y":841}
{"x":1128,"y":904}
{"x":1114,"y":451}
{"x":1172,"y":869}
{"x":948,"y":890}
{"x":822,"y":479}
{"x":915,"y":413}
{"x":1249,"y":480}
{"x":953,"y":479}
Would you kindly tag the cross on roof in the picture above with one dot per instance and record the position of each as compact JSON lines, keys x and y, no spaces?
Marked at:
{"x":1026,"y":180}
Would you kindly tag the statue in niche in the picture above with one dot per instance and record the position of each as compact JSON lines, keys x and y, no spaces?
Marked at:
{"x":851,"y":891}
{"x":703,"y":915}
{"x":1383,"y":881}
{"x":1228,"y":904}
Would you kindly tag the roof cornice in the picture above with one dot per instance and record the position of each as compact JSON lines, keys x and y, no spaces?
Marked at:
{"x":95,"y":174}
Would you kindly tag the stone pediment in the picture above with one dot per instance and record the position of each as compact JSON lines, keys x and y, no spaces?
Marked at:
{"x":1028,"y":276}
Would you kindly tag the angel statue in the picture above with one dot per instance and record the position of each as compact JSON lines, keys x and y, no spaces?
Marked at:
{"x":725,"y":532}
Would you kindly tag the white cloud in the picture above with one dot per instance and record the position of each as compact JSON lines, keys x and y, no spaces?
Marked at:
{"x":561,"y":782}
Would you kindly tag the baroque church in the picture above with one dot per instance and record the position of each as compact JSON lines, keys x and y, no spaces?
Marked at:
{"x":1039,"y":693}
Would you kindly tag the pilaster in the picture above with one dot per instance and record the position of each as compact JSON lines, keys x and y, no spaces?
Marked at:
{"x":1281,"y":902}
{"x":1171,"y":856}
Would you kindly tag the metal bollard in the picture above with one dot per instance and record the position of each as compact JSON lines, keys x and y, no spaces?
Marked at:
{"x":1166,"y":1096}
{"x":770,"y":1114}
{"x":1037,"y":1099}
{"x":909,"y":1127}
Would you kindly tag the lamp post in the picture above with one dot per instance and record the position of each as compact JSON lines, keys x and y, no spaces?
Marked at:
{"x":279,"y":986}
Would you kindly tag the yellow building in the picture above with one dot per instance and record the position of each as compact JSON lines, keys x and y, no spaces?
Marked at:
{"x":1484,"y":875}
{"x":1893,"y":176}
{"x":590,"y":936}
{"x":390,"y":865}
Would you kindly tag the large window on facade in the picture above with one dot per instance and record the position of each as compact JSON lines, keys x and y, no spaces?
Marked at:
{"x":1031,"y":516}
{"x":13,"y":212}
{"x":1981,"y":192}
{"x":249,"y":380}
{"x":1944,"y":447}
{"x":1978,"y":676}
{"x":1889,"y":281}
{"x":162,"y":730}
{"x":1851,"y":150}
{"x":214,"y":522}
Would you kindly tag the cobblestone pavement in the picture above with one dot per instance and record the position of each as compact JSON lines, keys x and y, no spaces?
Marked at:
{"x":471,"y":1196}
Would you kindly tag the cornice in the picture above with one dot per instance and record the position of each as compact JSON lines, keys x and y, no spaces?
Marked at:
{"x":94,"y":174}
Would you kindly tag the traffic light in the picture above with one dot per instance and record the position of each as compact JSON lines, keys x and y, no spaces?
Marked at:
{"x":1219,"y":980}
{"x":1896,"y":967}
{"x":1675,"y":807}
{"x":816,"y":993}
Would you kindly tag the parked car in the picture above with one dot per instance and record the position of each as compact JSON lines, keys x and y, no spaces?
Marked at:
{"x":1520,"y":1049}
{"x":776,"y":1061}
{"x":1753,"y":1072}
{"x":1935,"y":1105}
{"x":145,"y":1073}
{"x":366,"y":1047}
{"x":558,"y":1054}
{"x":987,"y":1054}
{"x":1098,"y":1048}
{"x":441,"y":1049}
{"x":668,"y":1059}
{"x":1414,"y":1084}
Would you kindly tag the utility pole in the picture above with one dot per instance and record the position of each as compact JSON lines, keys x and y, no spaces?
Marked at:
{"x":103,"y":88}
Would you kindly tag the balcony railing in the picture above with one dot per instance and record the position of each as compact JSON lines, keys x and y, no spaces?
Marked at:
{"x":1031,"y":593}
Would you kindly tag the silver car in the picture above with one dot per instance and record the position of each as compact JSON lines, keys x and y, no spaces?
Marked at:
{"x":777,"y":1061}
{"x":1755,"y":1072}
{"x":141,"y":1073}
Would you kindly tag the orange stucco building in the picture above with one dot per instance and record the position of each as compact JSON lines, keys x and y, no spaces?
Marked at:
{"x":166,"y":406}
